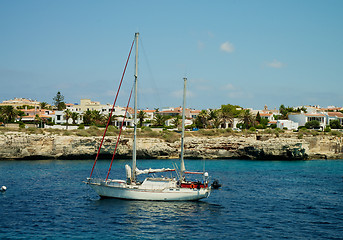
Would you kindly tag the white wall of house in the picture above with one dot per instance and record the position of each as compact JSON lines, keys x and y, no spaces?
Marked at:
{"x":303,"y":118}
{"x":59,"y":118}
{"x":330,"y":118}
{"x":270,"y":116}
{"x":169,"y":122}
{"x":119,"y":120}
{"x":290,"y":125}
{"x":311,"y":110}
{"x":149,"y":115}
{"x":320,"y":119}
{"x":64,"y":127}
{"x":232,"y":124}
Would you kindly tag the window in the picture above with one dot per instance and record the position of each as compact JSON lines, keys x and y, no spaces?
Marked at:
{"x":319,"y":119}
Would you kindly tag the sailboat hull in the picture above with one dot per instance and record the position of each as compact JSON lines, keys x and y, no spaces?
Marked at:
{"x":140,"y":193}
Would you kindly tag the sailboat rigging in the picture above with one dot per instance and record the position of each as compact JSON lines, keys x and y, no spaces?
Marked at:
{"x":152,"y":188}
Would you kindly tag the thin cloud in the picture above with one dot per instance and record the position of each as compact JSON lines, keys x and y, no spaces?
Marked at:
{"x":210,"y":34}
{"x":229,"y":86}
{"x":179,"y":94}
{"x":227,"y":47}
{"x":235,"y":92}
{"x":202,"y":84}
{"x":275,"y":64}
{"x":240,"y":95}
{"x":201,"y":45}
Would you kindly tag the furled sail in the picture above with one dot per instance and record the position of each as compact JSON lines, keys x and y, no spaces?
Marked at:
{"x":147,"y":171}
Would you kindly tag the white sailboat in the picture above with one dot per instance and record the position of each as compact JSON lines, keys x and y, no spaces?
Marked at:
{"x":153,"y":188}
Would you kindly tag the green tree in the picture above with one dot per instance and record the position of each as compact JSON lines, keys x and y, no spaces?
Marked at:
{"x":159,"y":120}
{"x":231,"y":111}
{"x":97,"y":118}
{"x":59,"y":101}
{"x":335,"y":124}
{"x":264,"y":122}
{"x":327,"y":128}
{"x":20,"y":114}
{"x":258,"y":117}
{"x":247,"y":119}
{"x":38,"y":120}
{"x":87,"y":117}
{"x":141,"y":115}
{"x":215,"y":118}
{"x":106,"y":118}
{"x":201,"y":120}
{"x":228,"y":112}
{"x":286,"y":110}
{"x":176,"y":121}
{"x":312,"y":124}
{"x":74,"y":116}
{"x":8,"y":114}
{"x":68,"y":114}
{"x":43,"y":105}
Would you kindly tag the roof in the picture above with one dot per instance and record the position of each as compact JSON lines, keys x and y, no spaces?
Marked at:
{"x":33,"y":116}
{"x":149,"y":111}
{"x":266,"y":114}
{"x":195,"y":111}
{"x":331,"y":109}
{"x":335,"y":114}
{"x":314,"y":115}
{"x":171,"y":111}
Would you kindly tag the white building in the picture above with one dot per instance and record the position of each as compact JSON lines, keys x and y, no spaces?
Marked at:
{"x":290,"y":125}
{"x":20,"y":102}
{"x":268,"y":116}
{"x":60,"y":118}
{"x":334,"y":116}
{"x":149,"y":114}
{"x":231,"y":123}
{"x":170,"y":121}
{"x":303,"y":118}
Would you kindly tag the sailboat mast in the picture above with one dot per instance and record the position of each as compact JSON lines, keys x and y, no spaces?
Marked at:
{"x":134,"y":157}
{"x":182,"y":168}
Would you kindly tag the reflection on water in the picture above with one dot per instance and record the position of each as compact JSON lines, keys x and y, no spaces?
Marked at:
{"x":152,"y":208}
{"x":160,"y":216}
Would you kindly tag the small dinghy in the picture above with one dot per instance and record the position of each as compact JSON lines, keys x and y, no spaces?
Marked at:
{"x":216,"y":184}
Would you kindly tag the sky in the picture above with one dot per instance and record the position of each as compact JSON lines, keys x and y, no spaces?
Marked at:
{"x":248,"y":53}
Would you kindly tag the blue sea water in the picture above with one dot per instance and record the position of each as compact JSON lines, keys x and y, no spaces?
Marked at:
{"x":259,"y":200}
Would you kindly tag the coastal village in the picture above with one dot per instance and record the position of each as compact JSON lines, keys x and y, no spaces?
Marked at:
{"x":38,"y":114}
{"x":171,"y":120}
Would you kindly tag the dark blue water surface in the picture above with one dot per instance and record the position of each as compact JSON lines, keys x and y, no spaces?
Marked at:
{"x":259,"y":200}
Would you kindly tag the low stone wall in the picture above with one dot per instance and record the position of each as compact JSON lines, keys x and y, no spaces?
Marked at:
{"x":17,"y":145}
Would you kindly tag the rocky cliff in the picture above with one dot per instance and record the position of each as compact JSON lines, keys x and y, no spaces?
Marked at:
{"x":17,"y":145}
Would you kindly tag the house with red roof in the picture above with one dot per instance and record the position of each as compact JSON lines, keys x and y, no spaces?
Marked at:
{"x":31,"y":115}
{"x":268,"y":116}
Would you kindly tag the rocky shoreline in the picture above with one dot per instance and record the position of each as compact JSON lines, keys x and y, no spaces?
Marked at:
{"x":24,"y":146}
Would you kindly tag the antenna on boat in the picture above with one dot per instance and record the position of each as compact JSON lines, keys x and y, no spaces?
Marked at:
{"x":182,"y":167}
{"x":134,"y":156}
